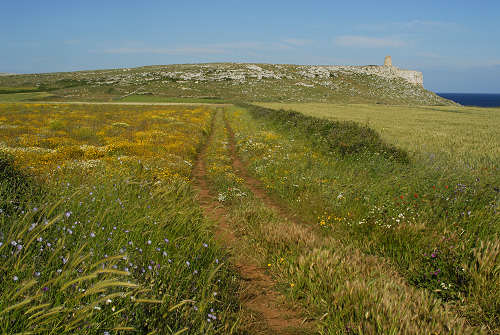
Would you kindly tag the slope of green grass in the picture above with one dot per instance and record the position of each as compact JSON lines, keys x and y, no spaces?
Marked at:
{"x":21,"y":89}
{"x":229,"y":82}
{"x":155,"y":98}
{"x":403,"y":231}
{"x":19,"y":97}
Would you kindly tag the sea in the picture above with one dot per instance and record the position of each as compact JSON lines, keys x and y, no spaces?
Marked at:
{"x":473,"y":99}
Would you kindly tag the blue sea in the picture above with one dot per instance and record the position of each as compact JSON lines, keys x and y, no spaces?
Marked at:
{"x":473,"y":99}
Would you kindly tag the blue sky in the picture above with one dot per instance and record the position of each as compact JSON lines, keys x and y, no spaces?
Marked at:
{"x":456,"y":44}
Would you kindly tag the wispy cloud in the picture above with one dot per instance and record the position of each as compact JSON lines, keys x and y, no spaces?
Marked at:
{"x":491,"y":63}
{"x":216,"y":48}
{"x":412,"y":26}
{"x":163,"y":51}
{"x":431,"y":55}
{"x":297,"y":41}
{"x":368,"y":41}
{"x":419,"y":24}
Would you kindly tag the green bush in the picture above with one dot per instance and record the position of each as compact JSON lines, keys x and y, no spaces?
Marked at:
{"x":344,"y":137}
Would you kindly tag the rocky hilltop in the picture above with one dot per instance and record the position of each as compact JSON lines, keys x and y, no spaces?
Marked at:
{"x":386,"y":72}
{"x":235,"y":81}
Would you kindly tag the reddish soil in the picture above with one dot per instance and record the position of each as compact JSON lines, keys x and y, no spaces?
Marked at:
{"x":257,"y":289}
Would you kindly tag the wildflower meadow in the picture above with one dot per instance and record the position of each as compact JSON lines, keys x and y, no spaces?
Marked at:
{"x":99,"y":229}
{"x":241,"y":219}
{"x":439,"y":230}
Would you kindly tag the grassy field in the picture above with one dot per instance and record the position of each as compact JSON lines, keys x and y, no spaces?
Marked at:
{"x":18,"y":97}
{"x":386,"y":225}
{"x":438,"y":229}
{"x":21,"y":89}
{"x":466,"y":136}
{"x":340,"y":287}
{"x":152,"y":98}
{"x":99,"y":229}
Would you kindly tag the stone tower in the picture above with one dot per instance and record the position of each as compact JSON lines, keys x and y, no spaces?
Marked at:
{"x":388,"y":61}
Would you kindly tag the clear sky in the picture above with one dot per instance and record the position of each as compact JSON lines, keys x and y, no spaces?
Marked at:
{"x":456,"y":44}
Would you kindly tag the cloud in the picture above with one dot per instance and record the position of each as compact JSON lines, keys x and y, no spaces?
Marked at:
{"x":297,"y":41}
{"x":490,"y":63}
{"x":368,"y":41}
{"x":420,"y":25}
{"x":216,"y":48}
{"x":413,"y":26}
{"x":431,"y":55}
{"x":163,"y":51}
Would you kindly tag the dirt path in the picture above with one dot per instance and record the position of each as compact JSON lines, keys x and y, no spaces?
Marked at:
{"x":258,"y":294}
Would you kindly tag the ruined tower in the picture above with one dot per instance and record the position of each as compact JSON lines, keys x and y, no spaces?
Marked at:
{"x":388,"y":61}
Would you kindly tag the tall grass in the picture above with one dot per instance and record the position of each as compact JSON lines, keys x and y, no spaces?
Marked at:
{"x":106,"y":245}
{"x":344,"y":137}
{"x":450,"y":137}
{"x":341,"y":289}
{"x":432,"y":226}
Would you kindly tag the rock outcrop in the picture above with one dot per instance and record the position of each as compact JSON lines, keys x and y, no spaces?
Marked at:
{"x":386,"y":72}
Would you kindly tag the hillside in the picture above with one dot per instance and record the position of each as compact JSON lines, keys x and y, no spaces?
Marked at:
{"x":229,"y":81}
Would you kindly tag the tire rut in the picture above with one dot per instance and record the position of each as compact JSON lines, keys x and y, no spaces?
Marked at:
{"x":256,"y":185}
{"x":257,"y":288}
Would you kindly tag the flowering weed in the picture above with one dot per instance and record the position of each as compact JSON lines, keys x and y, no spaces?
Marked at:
{"x":99,"y":229}
{"x":398,"y":209}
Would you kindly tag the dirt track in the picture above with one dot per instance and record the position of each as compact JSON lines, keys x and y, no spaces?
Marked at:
{"x":258,"y":293}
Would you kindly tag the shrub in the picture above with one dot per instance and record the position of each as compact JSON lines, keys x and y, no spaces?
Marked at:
{"x":344,"y":137}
